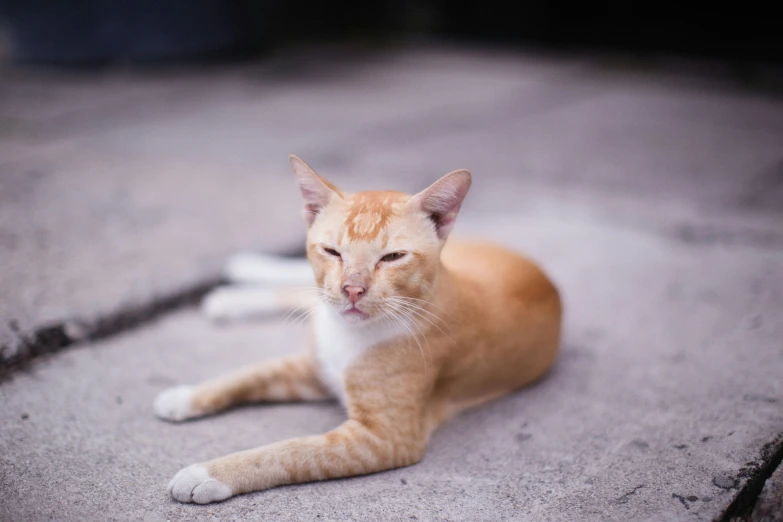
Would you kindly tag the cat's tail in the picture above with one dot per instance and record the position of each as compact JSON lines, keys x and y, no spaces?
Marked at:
{"x":260,"y":286}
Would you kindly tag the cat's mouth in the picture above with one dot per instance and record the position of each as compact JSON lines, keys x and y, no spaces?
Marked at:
{"x":354,"y":313}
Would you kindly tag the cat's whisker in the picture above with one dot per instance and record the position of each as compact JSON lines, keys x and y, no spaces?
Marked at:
{"x":424,"y":336}
{"x":419,"y":314}
{"x":294,"y":315}
{"x":430,"y":303}
{"x":309,"y":290}
{"x":406,"y":324}
{"x":303,"y":312}
{"x":299,"y":312}
{"x":386,"y":319}
{"x":302,"y":318}
{"x":411,"y":321}
{"x":403,"y":301}
{"x":415,"y":323}
{"x":430,"y":291}
{"x":294,"y":309}
{"x":401,"y":321}
{"x":433,"y":319}
{"x":421,"y":303}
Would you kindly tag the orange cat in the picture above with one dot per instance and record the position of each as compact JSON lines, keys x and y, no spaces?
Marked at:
{"x":408,"y":331}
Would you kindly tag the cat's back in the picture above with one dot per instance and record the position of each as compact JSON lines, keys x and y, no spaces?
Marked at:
{"x":498,"y":270}
{"x":505,"y":315}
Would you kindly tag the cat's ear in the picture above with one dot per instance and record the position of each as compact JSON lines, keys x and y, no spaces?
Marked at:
{"x":442,"y":200}
{"x":316,"y":191}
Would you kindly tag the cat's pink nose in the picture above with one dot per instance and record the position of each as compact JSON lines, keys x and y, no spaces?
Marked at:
{"x":354,"y":293}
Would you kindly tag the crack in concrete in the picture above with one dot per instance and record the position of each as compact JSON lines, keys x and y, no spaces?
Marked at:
{"x":757,"y":473}
{"x":682,"y":500}
{"x":55,"y":337}
{"x":723,"y":235}
{"x":51,"y":338}
{"x":627,"y":497}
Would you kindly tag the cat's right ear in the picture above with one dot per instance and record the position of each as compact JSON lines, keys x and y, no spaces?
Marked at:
{"x":316,"y":191}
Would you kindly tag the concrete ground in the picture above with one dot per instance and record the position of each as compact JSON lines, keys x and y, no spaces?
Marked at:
{"x":654,"y":197}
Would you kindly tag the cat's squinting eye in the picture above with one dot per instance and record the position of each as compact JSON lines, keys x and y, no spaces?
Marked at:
{"x":332,"y":252}
{"x":394,"y":256}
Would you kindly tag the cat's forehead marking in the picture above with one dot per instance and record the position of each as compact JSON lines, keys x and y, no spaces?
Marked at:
{"x":370,"y":212}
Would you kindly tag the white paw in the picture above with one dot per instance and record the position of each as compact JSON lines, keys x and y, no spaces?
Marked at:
{"x":239,"y":302}
{"x":249,"y":267}
{"x":193,"y":484}
{"x":175,"y":404}
{"x":218,"y":305}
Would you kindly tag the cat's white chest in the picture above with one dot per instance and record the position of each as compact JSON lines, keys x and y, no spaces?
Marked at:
{"x":339,"y":344}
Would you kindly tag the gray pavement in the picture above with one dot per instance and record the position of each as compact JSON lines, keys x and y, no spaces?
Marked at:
{"x":654,"y":200}
{"x":768,"y":506}
{"x":98,"y":173}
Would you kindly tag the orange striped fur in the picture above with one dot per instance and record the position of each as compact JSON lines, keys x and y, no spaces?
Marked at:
{"x":443,"y":327}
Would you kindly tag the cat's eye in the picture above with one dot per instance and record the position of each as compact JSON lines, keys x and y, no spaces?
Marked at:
{"x":394,"y":256}
{"x":332,"y":252}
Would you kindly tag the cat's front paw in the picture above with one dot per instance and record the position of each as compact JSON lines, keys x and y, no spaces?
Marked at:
{"x":175,"y":404}
{"x":194,"y":484}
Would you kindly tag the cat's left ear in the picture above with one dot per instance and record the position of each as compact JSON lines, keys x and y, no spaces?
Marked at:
{"x":442,"y":200}
{"x":316,"y":191}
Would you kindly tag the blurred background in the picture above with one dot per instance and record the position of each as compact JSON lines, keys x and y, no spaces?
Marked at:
{"x":125,"y":126}
{"x":634,"y":149}
{"x":101,"y":31}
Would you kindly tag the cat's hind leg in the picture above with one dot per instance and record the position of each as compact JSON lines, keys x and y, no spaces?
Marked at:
{"x":291,"y":378}
{"x":241,"y":302}
{"x":261,"y":285}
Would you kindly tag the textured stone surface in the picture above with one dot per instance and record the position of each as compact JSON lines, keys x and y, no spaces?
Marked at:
{"x":667,"y":380}
{"x":769,"y":507}
{"x":655,"y":203}
{"x":119,"y":188}
{"x":98,"y":171}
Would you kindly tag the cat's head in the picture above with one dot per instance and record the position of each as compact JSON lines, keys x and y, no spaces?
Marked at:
{"x":373,"y":252}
